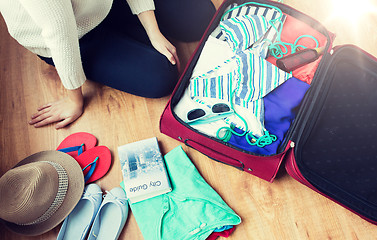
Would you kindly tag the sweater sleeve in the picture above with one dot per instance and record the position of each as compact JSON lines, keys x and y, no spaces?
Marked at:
{"x":138,"y":6}
{"x":59,"y":31}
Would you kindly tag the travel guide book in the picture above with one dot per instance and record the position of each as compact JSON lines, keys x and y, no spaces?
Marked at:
{"x":143,"y":168}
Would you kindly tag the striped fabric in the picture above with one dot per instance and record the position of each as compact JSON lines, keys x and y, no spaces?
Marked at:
{"x":257,"y":77}
{"x":247,"y":77}
{"x":268,"y":13}
{"x":246,"y":10}
{"x":214,"y":87}
{"x":251,"y":80}
{"x":241,"y":32}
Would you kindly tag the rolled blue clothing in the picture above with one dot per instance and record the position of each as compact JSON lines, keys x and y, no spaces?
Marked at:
{"x":281,"y":106}
{"x":192,"y":210}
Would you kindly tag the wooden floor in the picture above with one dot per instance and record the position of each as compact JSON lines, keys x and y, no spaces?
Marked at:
{"x":284,"y":209}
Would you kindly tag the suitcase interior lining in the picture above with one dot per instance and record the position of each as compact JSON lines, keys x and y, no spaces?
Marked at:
{"x":338,"y":155}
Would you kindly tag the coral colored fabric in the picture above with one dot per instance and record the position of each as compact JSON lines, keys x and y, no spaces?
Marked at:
{"x":292,"y":29}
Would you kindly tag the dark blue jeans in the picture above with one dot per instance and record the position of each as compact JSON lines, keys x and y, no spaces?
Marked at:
{"x":118,"y":53}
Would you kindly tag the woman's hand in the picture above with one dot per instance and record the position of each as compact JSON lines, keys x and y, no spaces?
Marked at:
{"x":64,"y":111}
{"x":159,"y":42}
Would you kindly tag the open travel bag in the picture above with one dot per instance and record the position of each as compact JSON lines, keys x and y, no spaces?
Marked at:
{"x":233,"y":103}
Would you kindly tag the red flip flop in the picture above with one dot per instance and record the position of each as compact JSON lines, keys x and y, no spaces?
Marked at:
{"x":77,"y":143}
{"x":95,"y":163}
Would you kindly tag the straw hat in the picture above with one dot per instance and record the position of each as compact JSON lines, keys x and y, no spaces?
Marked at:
{"x":39,"y":192}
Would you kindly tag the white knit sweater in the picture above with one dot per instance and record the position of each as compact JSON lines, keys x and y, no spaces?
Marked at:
{"x":52,"y":28}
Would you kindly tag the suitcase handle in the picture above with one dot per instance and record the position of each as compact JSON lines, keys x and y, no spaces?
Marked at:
{"x":217,"y":156}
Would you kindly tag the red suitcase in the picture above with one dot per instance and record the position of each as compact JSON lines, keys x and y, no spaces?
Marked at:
{"x":330,"y":145}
